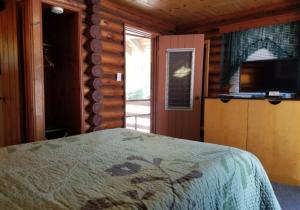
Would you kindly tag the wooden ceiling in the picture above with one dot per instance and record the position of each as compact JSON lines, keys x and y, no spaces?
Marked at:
{"x":184,"y":12}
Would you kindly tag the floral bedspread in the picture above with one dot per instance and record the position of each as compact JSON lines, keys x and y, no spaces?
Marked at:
{"x":123,"y":169}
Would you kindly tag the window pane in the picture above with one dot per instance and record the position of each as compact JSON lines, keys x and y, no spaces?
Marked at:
{"x":180,"y":69}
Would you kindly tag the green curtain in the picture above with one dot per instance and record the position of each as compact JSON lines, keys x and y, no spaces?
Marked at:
{"x":283,"y":40}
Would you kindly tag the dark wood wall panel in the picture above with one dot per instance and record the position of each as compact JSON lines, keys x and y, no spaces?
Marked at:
{"x":62,"y":78}
{"x":10,"y":117}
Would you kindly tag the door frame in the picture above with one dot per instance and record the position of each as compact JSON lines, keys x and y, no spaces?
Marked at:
{"x":154,"y":77}
{"x":34,"y":67}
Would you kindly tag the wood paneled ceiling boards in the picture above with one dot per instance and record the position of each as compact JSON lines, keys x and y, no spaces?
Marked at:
{"x":195,"y":12}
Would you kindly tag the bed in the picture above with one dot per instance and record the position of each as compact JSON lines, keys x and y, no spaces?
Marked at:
{"x":123,"y":169}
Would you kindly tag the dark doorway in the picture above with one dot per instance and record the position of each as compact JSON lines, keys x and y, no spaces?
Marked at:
{"x":61,"y":73}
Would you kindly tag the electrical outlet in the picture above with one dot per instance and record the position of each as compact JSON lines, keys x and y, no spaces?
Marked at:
{"x":119,"y":77}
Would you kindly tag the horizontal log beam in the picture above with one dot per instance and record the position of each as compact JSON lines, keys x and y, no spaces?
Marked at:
{"x":102,"y":70}
{"x":93,"y":19}
{"x":94,"y":32}
{"x":113,"y":26}
{"x":107,"y":59}
{"x":100,"y":82}
{"x":116,"y":114}
{"x":93,"y":9}
{"x":112,"y":47}
{"x":102,"y":117}
{"x":111,"y":36}
{"x":99,"y":94}
{"x":110,"y":125}
{"x":94,"y":45}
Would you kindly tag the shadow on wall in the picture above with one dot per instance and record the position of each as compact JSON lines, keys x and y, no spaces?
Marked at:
{"x":2,"y":5}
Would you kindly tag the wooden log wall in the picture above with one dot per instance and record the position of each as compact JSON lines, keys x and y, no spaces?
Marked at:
{"x":10,"y":96}
{"x":214,"y":87}
{"x":106,"y":58}
{"x":282,"y":13}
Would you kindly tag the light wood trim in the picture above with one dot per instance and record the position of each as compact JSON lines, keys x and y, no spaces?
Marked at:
{"x":34,"y":74}
{"x":10,"y":95}
{"x":154,"y":78}
{"x":70,"y":5}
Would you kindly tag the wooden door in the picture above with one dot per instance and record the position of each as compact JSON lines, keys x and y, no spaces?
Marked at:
{"x":10,"y":125}
{"x":179,"y":86}
{"x":273,"y":136}
{"x":225,"y":123}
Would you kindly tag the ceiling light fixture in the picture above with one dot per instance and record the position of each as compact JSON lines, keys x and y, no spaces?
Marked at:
{"x":57,"y":10}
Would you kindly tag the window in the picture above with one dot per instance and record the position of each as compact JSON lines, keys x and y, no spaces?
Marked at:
{"x":179,"y":79}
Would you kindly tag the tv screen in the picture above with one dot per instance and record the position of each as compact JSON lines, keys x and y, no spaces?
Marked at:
{"x":270,"y":75}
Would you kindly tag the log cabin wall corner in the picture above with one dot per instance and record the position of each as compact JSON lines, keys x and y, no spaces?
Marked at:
{"x":106,"y":47}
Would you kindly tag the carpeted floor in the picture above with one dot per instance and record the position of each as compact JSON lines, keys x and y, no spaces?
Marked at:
{"x":288,"y":196}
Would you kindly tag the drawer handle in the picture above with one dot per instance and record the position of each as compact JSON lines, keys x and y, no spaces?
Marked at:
{"x":225,"y":100}
{"x":274,"y":102}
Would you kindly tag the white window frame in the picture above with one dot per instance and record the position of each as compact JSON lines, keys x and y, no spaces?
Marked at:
{"x":168,"y":51}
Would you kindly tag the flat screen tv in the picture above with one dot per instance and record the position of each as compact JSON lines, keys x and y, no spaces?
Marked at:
{"x":270,"y":75}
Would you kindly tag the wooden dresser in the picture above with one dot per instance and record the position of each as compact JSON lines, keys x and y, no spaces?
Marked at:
{"x":270,"y":130}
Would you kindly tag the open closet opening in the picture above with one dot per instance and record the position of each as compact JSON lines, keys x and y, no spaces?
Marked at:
{"x":62,"y":72}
